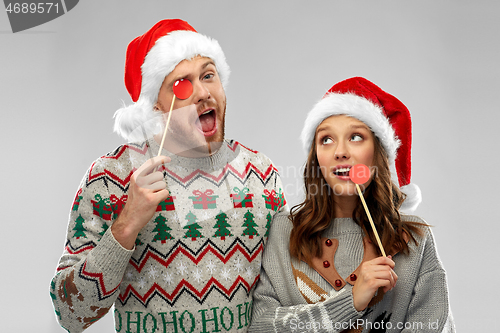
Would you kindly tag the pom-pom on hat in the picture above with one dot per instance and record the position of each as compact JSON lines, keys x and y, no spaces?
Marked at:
{"x":150,"y":58}
{"x":387,"y":117}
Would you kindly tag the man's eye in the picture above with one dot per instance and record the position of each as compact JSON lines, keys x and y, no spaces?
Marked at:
{"x":208,"y":76}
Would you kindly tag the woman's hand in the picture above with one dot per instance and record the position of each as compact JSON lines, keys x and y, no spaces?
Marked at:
{"x":372,"y":275}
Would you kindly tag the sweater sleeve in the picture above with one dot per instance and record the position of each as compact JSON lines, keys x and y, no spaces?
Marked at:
{"x":92,"y":265}
{"x":278,"y":305}
{"x":429,"y":307}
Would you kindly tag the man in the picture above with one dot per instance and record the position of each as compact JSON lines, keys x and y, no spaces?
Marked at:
{"x":174,"y":242}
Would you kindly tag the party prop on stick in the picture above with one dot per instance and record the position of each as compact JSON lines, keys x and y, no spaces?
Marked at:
{"x":360,"y":174}
{"x":182,"y":90}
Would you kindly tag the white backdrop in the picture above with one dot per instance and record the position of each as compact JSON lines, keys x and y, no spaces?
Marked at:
{"x":61,"y":82}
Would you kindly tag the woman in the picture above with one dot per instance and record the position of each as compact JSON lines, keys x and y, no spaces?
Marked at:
{"x":322,"y":269}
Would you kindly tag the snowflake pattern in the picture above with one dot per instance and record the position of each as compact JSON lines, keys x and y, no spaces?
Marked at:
{"x":182,"y":268}
{"x":102,"y":163}
{"x":259,"y":214}
{"x":175,"y":217}
{"x":211,"y":266}
{"x":119,"y":167}
{"x":168,"y":278}
{"x":142,"y":283}
{"x":238,"y":266}
{"x":197,"y":275}
{"x":135,"y":161}
{"x":249,"y":272}
{"x":226,"y":274}
{"x":129,"y":275}
{"x":206,"y":216}
{"x":153,"y":272}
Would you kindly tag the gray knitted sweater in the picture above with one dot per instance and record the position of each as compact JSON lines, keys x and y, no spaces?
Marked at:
{"x":195,"y":264}
{"x":292,"y":296}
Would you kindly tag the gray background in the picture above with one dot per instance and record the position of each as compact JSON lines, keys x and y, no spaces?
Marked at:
{"x":61,"y":82}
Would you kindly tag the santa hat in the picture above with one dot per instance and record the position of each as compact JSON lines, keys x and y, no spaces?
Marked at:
{"x":150,"y":58}
{"x":387,"y":117}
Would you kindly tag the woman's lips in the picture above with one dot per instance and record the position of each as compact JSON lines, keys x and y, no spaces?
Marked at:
{"x":342,"y":172}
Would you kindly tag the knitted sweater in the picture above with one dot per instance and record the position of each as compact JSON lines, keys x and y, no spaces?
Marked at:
{"x":292,"y":296}
{"x":195,"y":263}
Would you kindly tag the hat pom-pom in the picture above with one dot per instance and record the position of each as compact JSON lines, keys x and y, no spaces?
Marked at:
{"x":413,"y":198}
{"x":134,"y":124}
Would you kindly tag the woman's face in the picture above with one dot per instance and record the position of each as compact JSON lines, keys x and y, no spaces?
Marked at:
{"x":342,"y":142}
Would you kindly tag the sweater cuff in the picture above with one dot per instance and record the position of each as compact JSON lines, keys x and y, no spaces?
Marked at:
{"x":109,"y":257}
{"x":341,"y":307}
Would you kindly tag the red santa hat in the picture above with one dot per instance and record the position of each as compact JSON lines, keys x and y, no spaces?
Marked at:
{"x":387,"y":117}
{"x":150,"y":58}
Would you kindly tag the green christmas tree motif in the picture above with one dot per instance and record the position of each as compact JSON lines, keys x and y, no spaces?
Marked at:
{"x":138,"y":241}
{"x":222,"y":226}
{"x":268,"y":225}
{"x":250,"y":224}
{"x":104,"y":228}
{"x":192,"y":227}
{"x":162,"y":230}
{"x":79,"y":229}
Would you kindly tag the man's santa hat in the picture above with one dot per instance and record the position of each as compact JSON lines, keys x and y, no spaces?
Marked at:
{"x":387,"y":117}
{"x":150,"y":58}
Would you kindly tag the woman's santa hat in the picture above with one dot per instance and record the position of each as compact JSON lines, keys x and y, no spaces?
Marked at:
{"x":150,"y":58}
{"x":387,"y":117}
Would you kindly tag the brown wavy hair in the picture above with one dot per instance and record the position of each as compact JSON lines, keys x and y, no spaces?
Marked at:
{"x":383,"y":198}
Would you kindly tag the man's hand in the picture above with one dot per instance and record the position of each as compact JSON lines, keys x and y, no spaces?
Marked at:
{"x":146,"y":190}
{"x":373,"y":274}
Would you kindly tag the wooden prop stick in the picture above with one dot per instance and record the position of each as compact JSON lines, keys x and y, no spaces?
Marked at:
{"x":371,"y":221}
{"x":360,"y":174}
{"x":166,"y":126}
{"x":182,"y":90}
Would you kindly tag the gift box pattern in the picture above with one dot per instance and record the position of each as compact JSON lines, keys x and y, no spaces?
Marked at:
{"x":272,"y":201}
{"x":117,"y":204}
{"x":167,"y":204}
{"x":204,"y":200}
{"x":102,"y":207}
{"x":242,"y":199}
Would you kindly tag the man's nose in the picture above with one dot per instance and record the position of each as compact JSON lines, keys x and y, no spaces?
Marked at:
{"x":201,"y":92}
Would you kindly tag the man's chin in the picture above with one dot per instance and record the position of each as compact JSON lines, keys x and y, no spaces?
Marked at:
{"x":195,"y":144}
{"x":196,"y":150}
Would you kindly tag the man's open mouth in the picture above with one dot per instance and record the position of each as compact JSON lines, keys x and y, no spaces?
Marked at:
{"x":207,"y":122}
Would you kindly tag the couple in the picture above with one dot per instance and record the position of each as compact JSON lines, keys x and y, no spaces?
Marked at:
{"x":198,"y":237}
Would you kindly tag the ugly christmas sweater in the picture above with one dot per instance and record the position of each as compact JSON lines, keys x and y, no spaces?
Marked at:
{"x":292,"y":296}
{"x":196,"y":262}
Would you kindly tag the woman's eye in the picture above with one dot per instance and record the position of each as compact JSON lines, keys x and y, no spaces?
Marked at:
{"x":356,"y":137}
{"x":326,"y":140}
